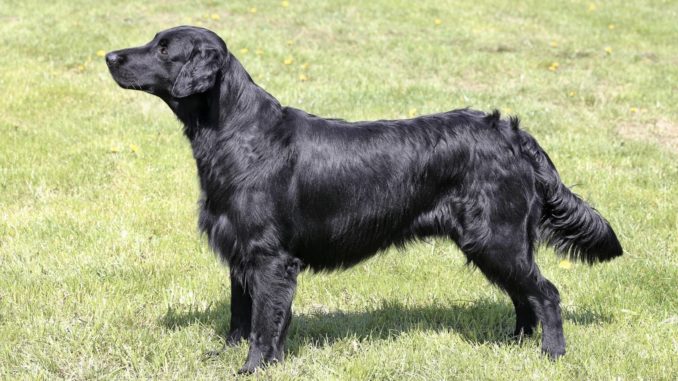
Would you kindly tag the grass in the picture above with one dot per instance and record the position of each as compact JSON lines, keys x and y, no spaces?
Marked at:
{"x":103,"y":274}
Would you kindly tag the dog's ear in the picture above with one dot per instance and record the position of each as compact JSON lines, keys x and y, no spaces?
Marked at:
{"x":198,"y":74}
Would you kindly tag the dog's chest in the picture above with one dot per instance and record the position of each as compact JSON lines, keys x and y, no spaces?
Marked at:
{"x":214,"y":168}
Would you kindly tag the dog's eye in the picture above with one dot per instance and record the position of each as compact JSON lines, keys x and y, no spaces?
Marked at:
{"x":163,"y":50}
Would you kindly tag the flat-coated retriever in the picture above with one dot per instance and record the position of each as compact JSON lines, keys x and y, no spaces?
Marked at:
{"x":283,"y":190}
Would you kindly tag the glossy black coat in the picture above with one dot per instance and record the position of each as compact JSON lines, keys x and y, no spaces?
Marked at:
{"x":284,"y":190}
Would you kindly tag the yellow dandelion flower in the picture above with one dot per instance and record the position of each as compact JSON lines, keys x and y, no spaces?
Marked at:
{"x":303,"y":77}
{"x":244,"y":51}
{"x":134,"y":148}
{"x":285,"y":4}
{"x":634,"y":109}
{"x":303,"y":66}
{"x":507,"y":110}
{"x":214,"y":16}
{"x":253,"y":10}
{"x":565,"y":264}
{"x":101,"y":53}
{"x":611,"y":26}
{"x":608,"y":50}
{"x":554,"y":66}
{"x":592,"y":7}
{"x":259,"y":52}
{"x":572,"y":93}
{"x":81,"y":67}
{"x":412,"y":113}
{"x":437,"y":21}
{"x":288,"y":61}
{"x":554,"y":44}
{"x":115,"y":149}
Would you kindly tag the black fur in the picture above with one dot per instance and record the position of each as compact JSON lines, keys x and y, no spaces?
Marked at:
{"x":284,"y":190}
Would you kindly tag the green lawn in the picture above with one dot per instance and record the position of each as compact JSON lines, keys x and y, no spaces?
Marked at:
{"x":104,"y":275}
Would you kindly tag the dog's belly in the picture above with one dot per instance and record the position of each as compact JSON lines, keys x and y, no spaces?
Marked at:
{"x":342,"y":243}
{"x":329,"y":254}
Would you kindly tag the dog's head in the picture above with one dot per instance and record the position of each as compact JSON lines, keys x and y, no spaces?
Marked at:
{"x":178,"y":62}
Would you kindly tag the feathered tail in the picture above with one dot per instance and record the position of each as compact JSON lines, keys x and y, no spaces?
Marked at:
{"x":568,"y":223}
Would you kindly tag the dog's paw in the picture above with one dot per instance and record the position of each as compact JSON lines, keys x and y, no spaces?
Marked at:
{"x":235,"y":337}
{"x":554,"y":353}
{"x":247,"y":370}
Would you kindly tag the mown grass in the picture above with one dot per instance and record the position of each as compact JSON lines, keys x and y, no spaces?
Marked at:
{"x":103,"y":274}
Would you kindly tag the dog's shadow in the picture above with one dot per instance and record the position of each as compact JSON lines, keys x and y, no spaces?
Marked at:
{"x":479,"y":322}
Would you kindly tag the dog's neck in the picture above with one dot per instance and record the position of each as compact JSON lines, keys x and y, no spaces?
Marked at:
{"x":235,"y":103}
{"x":223,"y":124}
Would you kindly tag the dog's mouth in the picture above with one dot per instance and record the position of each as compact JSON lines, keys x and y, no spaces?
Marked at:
{"x":125,"y":78}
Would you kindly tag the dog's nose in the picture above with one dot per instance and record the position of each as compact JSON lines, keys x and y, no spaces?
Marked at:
{"x":114,"y":58}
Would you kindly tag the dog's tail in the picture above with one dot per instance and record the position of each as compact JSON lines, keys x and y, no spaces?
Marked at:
{"x":568,"y":223}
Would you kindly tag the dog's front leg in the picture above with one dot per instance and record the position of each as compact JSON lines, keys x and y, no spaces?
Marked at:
{"x":273,"y":282}
{"x":241,"y":312}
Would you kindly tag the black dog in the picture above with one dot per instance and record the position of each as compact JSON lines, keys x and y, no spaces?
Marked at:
{"x":284,"y":190}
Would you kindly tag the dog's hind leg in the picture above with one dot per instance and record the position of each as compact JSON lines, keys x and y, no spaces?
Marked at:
{"x":546,"y":301}
{"x":506,"y":259}
{"x":273,"y":282}
{"x":241,"y":312}
{"x":526,"y":318}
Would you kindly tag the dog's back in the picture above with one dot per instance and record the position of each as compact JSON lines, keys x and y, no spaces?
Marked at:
{"x":357,"y":188}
